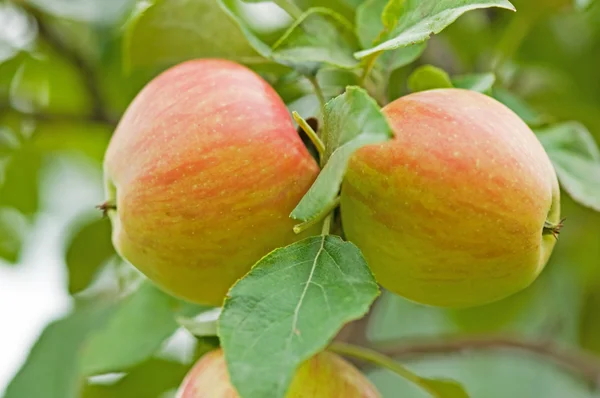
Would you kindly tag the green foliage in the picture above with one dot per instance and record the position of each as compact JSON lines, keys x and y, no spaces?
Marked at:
{"x":576,"y":158}
{"x":89,"y":248}
{"x":428,"y":77}
{"x":351,"y":121}
{"x":302,"y":295}
{"x":417,"y":20}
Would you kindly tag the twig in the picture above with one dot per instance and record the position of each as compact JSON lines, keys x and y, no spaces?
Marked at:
{"x":574,"y":360}
{"x":318,"y":92}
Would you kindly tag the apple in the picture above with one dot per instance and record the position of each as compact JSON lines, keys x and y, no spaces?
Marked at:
{"x":325,"y":375}
{"x":460,"y":208}
{"x":201,"y":175}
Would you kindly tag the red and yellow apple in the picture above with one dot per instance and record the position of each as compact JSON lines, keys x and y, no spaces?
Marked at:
{"x":201,"y":176}
{"x":325,"y":375}
{"x":451,"y":212}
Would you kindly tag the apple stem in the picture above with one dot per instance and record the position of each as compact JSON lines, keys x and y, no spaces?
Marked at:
{"x":553,"y":229}
{"x":106,"y":207}
{"x":298,"y":228}
{"x":381,"y":360}
{"x":314,"y":137}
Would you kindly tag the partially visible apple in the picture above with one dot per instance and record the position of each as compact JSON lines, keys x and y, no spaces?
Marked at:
{"x":326,"y":375}
{"x":201,"y":176}
{"x":460,"y":208}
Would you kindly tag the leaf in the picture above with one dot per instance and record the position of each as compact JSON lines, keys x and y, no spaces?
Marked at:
{"x":520,"y":107}
{"x":51,"y":369}
{"x":204,"y":324}
{"x":90,"y":11}
{"x":13,"y":228}
{"x":318,"y":36}
{"x":480,"y":82}
{"x":20,"y":186}
{"x":288,"y":308}
{"x":165,"y":32}
{"x":137,"y":328}
{"x":444,"y":388}
{"x":419,"y":19}
{"x":149,"y":379}
{"x":351,"y":121}
{"x":17,"y":31}
{"x":576,"y":159}
{"x":89,"y":248}
{"x":392,"y":60}
{"x":428,"y":77}
{"x":369,"y":22}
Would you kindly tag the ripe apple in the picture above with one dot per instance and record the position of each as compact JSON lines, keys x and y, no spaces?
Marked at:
{"x":460,"y":208}
{"x":201,"y":176}
{"x":325,"y":375}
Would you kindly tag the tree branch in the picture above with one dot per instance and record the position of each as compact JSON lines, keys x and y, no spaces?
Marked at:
{"x":574,"y":360}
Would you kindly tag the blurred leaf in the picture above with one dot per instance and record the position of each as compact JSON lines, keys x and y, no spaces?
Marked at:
{"x":520,"y":107}
{"x":203,"y":324}
{"x":428,"y":77}
{"x":90,"y":11}
{"x":576,"y":158}
{"x":49,"y":83}
{"x":392,"y":60}
{"x":12,"y":232}
{"x":20,"y":188}
{"x":288,"y":308}
{"x":136,"y":329}
{"x":17,"y":31}
{"x":494,"y":374}
{"x":351,"y":121}
{"x":583,"y":4}
{"x":51,"y":369}
{"x":368,"y":21}
{"x":445,"y":388}
{"x":590,"y":323}
{"x":165,"y":32}
{"x":480,"y":82}
{"x":89,"y":248}
{"x":87,"y":138}
{"x":150,"y":379}
{"x":419,"y":19}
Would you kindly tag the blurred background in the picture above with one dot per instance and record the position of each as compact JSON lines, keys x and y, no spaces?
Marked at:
{"x":68,"y":70}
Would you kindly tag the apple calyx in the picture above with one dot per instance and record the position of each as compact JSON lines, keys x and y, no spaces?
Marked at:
{"x":553,"y":229}
{"x":106,"y":207}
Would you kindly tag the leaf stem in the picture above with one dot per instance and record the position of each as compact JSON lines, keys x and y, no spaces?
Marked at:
{"x":298,"y":228}
{"x":381,"y":360}
{"x":310,"y":133}
{"x":290,"y":7}
{"x":327,"y":224}
{"x":318,"y":92}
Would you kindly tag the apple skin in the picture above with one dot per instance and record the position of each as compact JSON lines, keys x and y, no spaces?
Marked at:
{"x":204,"y":169}
{"x":451,"y":211}
{"x":325,"y":375}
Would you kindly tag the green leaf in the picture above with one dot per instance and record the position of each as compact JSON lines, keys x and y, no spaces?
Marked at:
{"x":90,"y":11}
{"x":52,"y":367}
{"x":17,"y":31}
{"x":89,"y":248}
{"x":392,"y":60}
{"x":165,"y":32}
{"x":481,"y":82}
{"x":428,"y":77}
{"x":203,"y":324}
{"x":13,"y":228}
{"x":576,"y":159}
{"x":318,"y":36}
{"x":419,"y":19}
{"x":445,"y":388}
{"x":369,"y":22}
{"x":134,"y":332}
{"x":288,"y":308}
{"x":520,"y":107}
{"x":20,"y":186}
{"x":150,"y":379}
{"x":351,"y":121}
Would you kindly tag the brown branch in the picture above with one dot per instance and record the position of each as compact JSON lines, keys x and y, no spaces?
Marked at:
{"x":576,"y":361}
{"x":87,"y":73}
